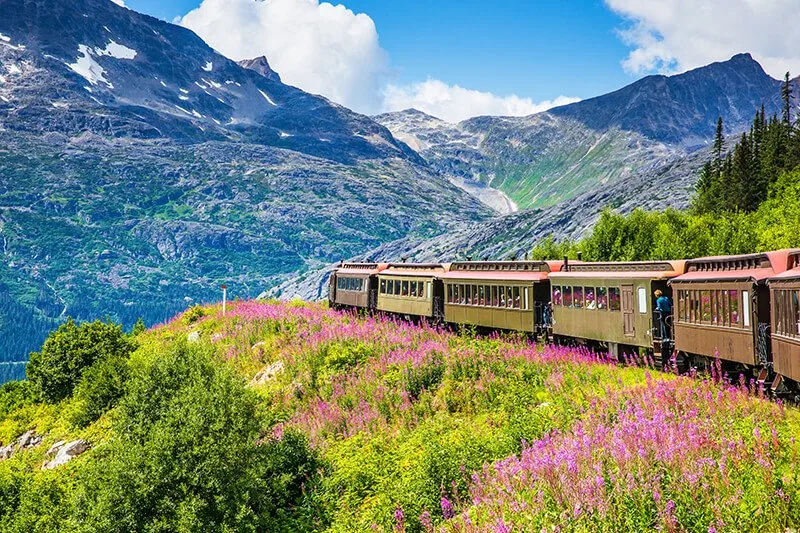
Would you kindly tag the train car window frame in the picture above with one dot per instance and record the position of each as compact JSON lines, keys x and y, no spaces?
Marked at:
{"x":577,"y":297}
{"x":725,"y":311}
{"x":589,"y":297}
{"x":746,"y":308}
{"x":383,"y":286}
{"x":516,"y":302}
{"x":475,"y":294}
{"x":567,"y":296}
{"x":495,"y":291}
{"x":735,"y":318}
{"x":449,"y":293}
{"x":705,"y":306}
{"x":428,"y":290}
{"x":557,"y":296}
{"x":527,"y":301}
{"x":412,"y":289}
{"x":404,"y":288}
{"x":614,"y":299}
{"x":601,"y":297}
{"x":481,"y":295}
{"x":642,"y":297}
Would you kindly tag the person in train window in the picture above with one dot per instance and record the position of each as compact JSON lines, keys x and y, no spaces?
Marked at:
{"x":663,"y":308}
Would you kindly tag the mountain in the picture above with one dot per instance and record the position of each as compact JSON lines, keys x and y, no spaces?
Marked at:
{"x":140,"y":169}
{"x":548,"y":158}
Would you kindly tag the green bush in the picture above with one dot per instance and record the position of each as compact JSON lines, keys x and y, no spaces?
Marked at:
{"x":68,"y":351}
{"x":14,"y":395}
{"x":187,"y":455}
{"x":193,"y":314}
{"x":101,"y":386}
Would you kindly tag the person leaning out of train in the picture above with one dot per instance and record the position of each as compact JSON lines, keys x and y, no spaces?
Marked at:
{"x":664,"y":309}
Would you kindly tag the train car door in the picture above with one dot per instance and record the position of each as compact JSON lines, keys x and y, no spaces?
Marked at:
{"x":628,"y":311}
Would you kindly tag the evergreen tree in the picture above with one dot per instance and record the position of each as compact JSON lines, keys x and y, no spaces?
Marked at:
{"x":719,"y":147}
{"x":786,"y":96}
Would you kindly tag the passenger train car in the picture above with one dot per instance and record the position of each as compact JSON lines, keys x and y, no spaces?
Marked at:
{"x":611,"y":303}
{"x":785,"y":297}
{"x":508,"y":295}
{"x":743,"y":310}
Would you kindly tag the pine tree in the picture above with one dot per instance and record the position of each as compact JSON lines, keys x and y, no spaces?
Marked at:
{"x":786,"y":96}
{"x":718,"y":147}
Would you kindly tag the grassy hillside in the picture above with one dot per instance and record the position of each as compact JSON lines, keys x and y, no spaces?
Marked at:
{"x":292,"y":417}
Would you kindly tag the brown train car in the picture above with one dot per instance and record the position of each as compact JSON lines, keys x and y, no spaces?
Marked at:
{"x":355,"y":285}
{"x":722,"y":307}
{"x":611,"y":303}
{"x":785,"y":298}
{"x":411,"y":289}
{"x":509,"y":295}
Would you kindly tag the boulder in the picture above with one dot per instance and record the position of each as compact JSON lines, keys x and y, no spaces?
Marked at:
{"x":268,"y":373}
{"x":193,"y":336}
{"x":64,"y":453}
{"x":27,"y":440}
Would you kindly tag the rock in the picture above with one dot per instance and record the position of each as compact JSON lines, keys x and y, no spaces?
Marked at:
{"x":54,"y":448}
{"x":267,"y":373}
{"x":65,"y":453}
{"x":193,"y":336}
{"x":27,"y":440}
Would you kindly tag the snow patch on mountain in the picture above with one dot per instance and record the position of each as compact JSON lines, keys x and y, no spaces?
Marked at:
{"x":116,"y":50}
{"x":87,"y":67}
{"x":5,"y":38}
{"x":265,"y":95}
{"x":209,"y":67}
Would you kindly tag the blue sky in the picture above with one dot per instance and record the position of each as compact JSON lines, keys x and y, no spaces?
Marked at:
{"x":461,"y":58}
{"x":537,"y":49}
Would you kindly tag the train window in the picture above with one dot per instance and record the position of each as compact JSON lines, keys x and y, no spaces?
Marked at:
{"x":567,"y":296}
{"x":428,"y":290}
{"x":383,"y":286}
{"x":527,"y":302}
{"x":746,"y":308}
{"x":494,"y":296}
{"x":516,"y":297}
{"x":642,"y":300}
{"x":469,"y":294}
{"x":725,"y":309}
{"x":588,"y":294}
{"x":404,"y":288}
{"x":602,"y":298}
{"x":735,"y":308}
{"x":556,"y":295}
{"x":413,"y":289}
{"x":501,"y":292}
{"x":613,"y":299}
{"x":481,"y":295}
{"x":455,"y":294}
{"x":449,"y":294}
{"x":474,"y":295}
{"x":795,"y":313}
{"x":705,"y":306}
{"x":577,"y":297}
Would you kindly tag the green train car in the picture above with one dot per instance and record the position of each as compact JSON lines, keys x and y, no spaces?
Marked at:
{"x":411,"y":289}
{"x":508,"y":295}
{"x":611,"y":303}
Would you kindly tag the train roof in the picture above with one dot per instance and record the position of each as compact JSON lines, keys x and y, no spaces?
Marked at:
{"x":428,"y":270}
{"x":502,"y":270}
{"x":747,"y":267}
{"x":793,"y":271}
{"x":360,"y":269}
{"x":622,"y":270}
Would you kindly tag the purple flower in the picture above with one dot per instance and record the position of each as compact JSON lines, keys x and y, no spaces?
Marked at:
{"x":447,"y":508}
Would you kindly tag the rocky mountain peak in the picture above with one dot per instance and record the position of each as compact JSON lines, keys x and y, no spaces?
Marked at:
{"x":260,"y":65}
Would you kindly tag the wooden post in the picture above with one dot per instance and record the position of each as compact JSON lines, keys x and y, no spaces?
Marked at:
{"x":224,"y":298}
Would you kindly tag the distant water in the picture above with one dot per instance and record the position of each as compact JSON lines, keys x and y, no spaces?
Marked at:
{"x":12,"y":371}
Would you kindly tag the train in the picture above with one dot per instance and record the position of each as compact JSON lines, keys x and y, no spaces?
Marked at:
{"x":740,"y":312}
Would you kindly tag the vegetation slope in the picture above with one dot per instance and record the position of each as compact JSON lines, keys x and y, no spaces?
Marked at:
{"x":294,"y":417}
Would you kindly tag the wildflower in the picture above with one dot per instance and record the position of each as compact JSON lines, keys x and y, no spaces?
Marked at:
{"x":399,"y":519}
{"x":447,"y":508}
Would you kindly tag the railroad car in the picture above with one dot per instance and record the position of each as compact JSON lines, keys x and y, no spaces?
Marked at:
{"x":355,"y":285}
{"x":611,"y":304}
{"x":508,"y":295}
{"x":412,"y":289}
{"x":722,"y":309}
{"x":785,"y":298}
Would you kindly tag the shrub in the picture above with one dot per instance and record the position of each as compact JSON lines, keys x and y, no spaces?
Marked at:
{"x":187,"y":455}
{"x":101,"y":386}
{"x":14,"y":395}
{"x":193,"y":314}
{"x":68,"y":351}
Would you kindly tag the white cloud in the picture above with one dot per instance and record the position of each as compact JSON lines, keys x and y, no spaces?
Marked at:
{"x":453,"y":103}
{"x":676,"y":35}
{"x":319,"y":47}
